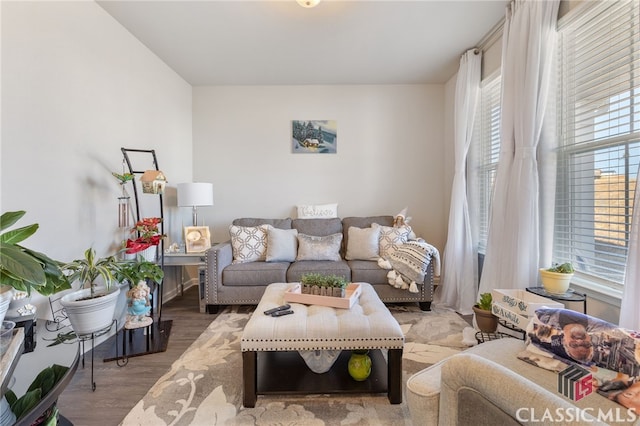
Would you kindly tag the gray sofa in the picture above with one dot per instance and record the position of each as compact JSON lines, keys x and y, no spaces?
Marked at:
{"x":489,"y":385}
{"x":230,"y":283}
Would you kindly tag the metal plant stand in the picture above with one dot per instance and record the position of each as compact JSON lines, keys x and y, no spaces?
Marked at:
{"x":156,"y":336}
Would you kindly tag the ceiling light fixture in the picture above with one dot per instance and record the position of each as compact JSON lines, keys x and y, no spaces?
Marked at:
{"x":308,"y":3}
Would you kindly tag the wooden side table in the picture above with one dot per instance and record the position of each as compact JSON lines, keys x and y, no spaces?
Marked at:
{"x":569,"y":296}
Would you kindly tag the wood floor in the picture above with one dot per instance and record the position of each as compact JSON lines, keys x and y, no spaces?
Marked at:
{"x":118,"y":389}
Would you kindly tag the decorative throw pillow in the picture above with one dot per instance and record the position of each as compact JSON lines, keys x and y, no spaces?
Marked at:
{"x":282,"y":244}
{"x":363,"y":243}
{"x":248,"y":243}
{"x":391,"y":237}
{"x":319,"y":211}
{"x":319,"y":248}
{"x":558,"y":338}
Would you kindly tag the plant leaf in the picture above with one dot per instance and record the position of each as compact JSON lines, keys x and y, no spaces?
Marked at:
{"x":26,"y":402}
{"x":11,"y":397}
{"x":21,"y":265}
{"x":44,"y":381}
{"x":9,"y":218}
{"x":59,"y":371}
{"x":18,"y":235}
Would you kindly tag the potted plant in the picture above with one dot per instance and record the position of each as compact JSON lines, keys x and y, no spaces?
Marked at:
{"x":91,"y":308}
{"x":140,"y":269}
{"x":311,"y":283}
{"x":323,"y":285}
{"x":556,"y":279}
{"x":486,"y":320}
{"x":337,"y":284}
{"x":147,"y":240}
{"x":134,"y":273}
{"x":23,"y":269}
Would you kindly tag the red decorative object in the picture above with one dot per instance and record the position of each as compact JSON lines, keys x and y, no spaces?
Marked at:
{"x":148,"y":235}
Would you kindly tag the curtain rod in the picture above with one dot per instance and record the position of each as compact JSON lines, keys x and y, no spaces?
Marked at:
{"x":476,"y":51}
{"x":492,"y":36}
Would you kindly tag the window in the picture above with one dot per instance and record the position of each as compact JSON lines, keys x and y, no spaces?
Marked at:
{"x":599,"y":139}
{"x":486,"y":146}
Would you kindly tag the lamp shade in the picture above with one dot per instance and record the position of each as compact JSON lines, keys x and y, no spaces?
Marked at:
{"x":195,"y":194}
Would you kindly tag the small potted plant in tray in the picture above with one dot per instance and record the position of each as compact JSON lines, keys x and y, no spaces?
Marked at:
{"x":323,"y":285}
{"x":311,"y":283}
{"x":486,"y":320}
{"x":337,"y":285}
{"x":556,"y":279}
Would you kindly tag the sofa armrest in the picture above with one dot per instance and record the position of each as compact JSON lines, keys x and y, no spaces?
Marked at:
{"x":475,"y":389}
{"x":423,"y":394}
{"x":218,"y":257}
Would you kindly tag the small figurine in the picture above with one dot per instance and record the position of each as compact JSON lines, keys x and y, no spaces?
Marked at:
{"x":138,"y":301}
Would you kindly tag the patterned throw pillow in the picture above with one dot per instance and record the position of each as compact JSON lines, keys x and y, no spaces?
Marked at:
{"x":391,"y":238}
{"x":311,"y":247}
{"x":248,"y":243}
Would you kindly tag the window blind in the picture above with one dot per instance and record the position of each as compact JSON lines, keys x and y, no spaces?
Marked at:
{"x":599,"y":140}
{"x":487,"y":131}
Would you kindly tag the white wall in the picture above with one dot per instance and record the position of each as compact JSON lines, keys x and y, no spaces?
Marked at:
{"x":389,"y":152}
{"x":76,"y":87}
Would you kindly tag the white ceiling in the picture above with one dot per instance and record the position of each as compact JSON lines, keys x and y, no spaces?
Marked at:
{"x":272,"y":42}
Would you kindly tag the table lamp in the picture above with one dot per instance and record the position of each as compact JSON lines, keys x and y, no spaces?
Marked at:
{"x":194,"y":194}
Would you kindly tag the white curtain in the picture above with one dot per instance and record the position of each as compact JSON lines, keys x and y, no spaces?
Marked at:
{"x":460,"y":271}
{"x":513,"y":246}
{"x":629,"y":312}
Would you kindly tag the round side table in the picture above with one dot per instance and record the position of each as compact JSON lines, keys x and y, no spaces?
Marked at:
{"x":569,"y":296}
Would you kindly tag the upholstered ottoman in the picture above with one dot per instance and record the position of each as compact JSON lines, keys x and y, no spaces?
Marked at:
{"x":270,"y":347}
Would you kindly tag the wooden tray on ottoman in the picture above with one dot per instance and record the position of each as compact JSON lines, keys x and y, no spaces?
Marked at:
{"x":352,"y":293}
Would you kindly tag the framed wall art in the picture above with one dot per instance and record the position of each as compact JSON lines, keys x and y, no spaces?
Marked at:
{"x":314,"y":137}
{"x":197,"y":238}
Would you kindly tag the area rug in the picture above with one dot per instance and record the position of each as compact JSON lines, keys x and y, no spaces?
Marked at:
{"x":204,"y":386}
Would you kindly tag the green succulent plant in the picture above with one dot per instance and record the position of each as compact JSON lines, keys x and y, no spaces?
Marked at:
{"x":564,"y":268}
{"x":485,"y":301}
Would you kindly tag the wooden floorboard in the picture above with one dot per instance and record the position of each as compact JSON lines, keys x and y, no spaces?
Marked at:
{"x":118,"y":389}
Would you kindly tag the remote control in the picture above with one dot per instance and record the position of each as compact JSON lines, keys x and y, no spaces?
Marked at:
{"x":281,"y":313}
{"x":279,"y":308}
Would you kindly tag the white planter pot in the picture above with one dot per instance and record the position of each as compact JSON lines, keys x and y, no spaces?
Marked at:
{"x":6,"y":296}
{"x":555,"y":282}
{"x":90,"y":315}
{"x":150,"y":253}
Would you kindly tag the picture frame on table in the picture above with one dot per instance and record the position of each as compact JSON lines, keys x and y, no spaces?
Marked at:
{"x":197,"y":238}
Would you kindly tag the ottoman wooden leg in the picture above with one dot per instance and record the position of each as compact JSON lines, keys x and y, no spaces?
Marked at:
{"x":394,"y":376}
{"x":249,"y":378}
